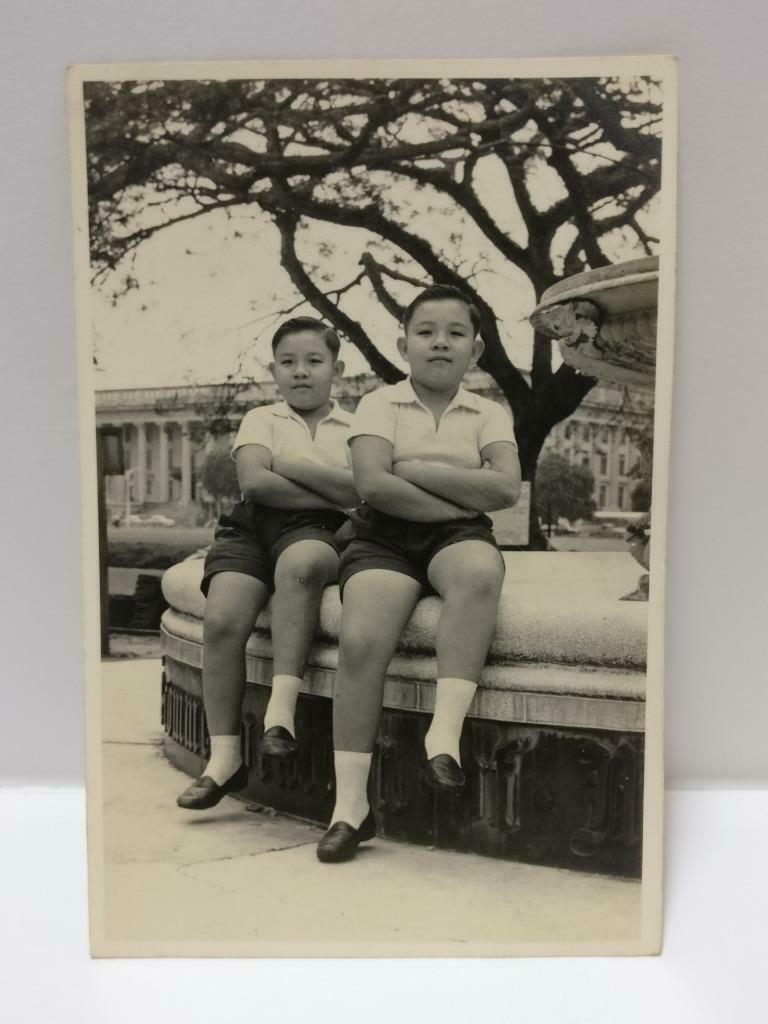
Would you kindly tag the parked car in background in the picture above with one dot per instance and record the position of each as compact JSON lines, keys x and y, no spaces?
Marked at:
{"x":564,"y":527}
{"x":133,"y":519}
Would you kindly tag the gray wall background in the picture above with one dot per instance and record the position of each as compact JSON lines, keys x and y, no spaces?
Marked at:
{"x":716,"y":679}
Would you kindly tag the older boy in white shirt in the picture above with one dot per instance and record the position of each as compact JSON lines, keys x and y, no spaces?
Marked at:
{"x":293,"y":467}
{"x":429,"y":459}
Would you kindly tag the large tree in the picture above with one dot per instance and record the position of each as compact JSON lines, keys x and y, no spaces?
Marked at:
{"x":404,"y":162}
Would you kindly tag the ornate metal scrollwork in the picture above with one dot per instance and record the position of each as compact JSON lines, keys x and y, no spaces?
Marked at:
{"x":184,"y":719}
{"x":390,"y":793}
{"x":534,"y":793}
{"x":510,"y":760}
{"x":248,"y":736}
{"x":609,"y":775}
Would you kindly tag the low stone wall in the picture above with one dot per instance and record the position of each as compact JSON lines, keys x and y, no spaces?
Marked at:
{"x":553,"y":746}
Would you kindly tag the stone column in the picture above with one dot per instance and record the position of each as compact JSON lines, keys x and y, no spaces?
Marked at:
{"x":140,"y":478}
{"x":613,"y":490}
{"x":162,"y":462}
{"x":186,"y":464}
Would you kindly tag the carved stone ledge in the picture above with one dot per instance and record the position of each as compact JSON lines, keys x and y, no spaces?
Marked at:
{"x":552,"y":747}
{"x":605,"y":321}
{"x":560,"y":797}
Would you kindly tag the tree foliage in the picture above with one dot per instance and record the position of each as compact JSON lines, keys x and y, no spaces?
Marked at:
{"x":563,"y":490}
{"x":402,"y":162}
{"x":219,"y":476}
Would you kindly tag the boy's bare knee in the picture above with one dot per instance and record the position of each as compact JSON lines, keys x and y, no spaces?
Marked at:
{"x":482,"y":583}
{"x":309,"y":574}
{"x":357,"y":647}
{"x":221,"y":628}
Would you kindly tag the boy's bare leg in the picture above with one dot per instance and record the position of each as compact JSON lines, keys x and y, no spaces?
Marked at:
{"x":302,"y":572}
{"x":234,"y":600}
{"x":468,"y":576}
{"x":377,"y":606}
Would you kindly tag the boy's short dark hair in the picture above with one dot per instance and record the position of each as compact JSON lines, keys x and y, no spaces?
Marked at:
{"x":308,"y":323}
{"x":442,"y":291}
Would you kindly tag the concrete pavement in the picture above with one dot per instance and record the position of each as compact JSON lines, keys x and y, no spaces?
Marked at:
{"x":244,"y":879}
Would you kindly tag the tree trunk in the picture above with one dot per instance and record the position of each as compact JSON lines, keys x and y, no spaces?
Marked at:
{"x":546,"y":405}
{"x":529,"y":457}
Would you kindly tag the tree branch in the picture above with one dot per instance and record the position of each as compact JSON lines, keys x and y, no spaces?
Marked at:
{"x":494,"y":359}
{"x":608,"y":116}
{"x":574,"y":185}
{"x":129,"y":242}
{"x":374,"y":272}
{"x":464,"y":195}
{"x":287,"y":222}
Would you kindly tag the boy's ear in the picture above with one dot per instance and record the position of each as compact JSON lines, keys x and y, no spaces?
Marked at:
{"x":272,"y":369}
{"x":402,"y":346}
{"x":338,"y":369}
{"x":478,"y":347}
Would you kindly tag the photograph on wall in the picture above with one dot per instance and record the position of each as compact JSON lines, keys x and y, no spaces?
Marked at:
{"x":375,"y":386}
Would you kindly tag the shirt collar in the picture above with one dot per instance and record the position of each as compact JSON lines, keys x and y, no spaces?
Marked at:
{"x":336,"y":413}
{"x":403,"y":393}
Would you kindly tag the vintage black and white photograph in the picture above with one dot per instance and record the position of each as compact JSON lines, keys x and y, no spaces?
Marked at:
{"x":375,"y":406}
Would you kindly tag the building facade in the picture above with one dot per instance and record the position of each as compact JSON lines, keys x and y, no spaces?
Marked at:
{"x":167,"y":433}
{"x":602,"y":435}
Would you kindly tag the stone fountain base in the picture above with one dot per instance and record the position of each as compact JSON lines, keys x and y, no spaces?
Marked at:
{"x":553,"y":747}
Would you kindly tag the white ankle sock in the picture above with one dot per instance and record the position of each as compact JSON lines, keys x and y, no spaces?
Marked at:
{"x":452,"y":702}
{"x":225,"y":758}
{"x":282,"y":703}
{"x":352,"y":770}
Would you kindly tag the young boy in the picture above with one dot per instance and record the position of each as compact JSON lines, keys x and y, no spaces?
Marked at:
{"x":429,"y":458}
{"x":293,"y":467}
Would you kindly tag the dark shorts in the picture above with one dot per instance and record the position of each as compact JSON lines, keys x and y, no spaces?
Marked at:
{"x":381,"y":541}
{"x":251,"y":539}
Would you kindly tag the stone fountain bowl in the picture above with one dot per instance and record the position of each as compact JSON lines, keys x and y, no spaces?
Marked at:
{"x":605,"y":321}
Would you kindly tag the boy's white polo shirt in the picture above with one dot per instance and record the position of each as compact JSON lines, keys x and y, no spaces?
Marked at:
{"x":469,"y":423}
{"x":283,"y":432}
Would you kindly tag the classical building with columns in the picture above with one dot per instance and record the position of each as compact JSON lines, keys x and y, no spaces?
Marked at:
{"x":602,"y":435}
{"x":161,"y":454}
{"x":166,"y":435}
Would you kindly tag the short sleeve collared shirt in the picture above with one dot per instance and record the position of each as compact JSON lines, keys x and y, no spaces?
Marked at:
{"x":283,"y":432}
{"x":469,"y":423}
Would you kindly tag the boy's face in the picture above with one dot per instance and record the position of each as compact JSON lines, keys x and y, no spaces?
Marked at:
{"x":440,"y":343}
{"x":304,"y":370}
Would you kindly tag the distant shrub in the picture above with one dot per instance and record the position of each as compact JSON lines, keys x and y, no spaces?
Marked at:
{"x":148,"y":547}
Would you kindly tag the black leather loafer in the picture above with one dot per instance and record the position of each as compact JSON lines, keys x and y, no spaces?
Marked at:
{"x":443,"y":774}
{"x":205,"y":793}
{"x":278,"y":742}
{"x":341,"y":840}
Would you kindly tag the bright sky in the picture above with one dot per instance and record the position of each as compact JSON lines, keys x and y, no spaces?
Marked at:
{"x":209,"y":290}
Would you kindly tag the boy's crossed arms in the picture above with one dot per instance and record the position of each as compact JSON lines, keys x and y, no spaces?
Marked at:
{"x":426,"y":491}
{"x":288,"y":482}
